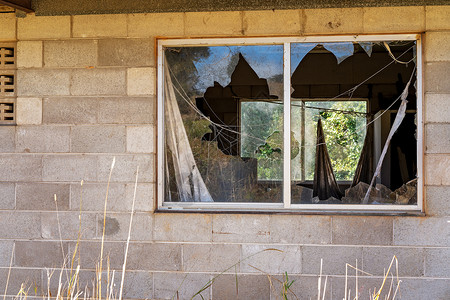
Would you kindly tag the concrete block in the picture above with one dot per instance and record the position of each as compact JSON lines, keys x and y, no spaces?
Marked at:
{"x":41,"y":82}
{"x":145,"y":196}
{"x":378,"y":259}
{"x":6,"y":248}
{"x":69,"y":168}
{"x":117,"y":226}
{"x":333,"y":20}
{"x":437,"y":108}
{"x":267,"y":22}
{"x":125,"y":168}
{"x":436,"y":262}
{"x":100,"y":25}
{"x":48,"y":27}
{"x":69,"y":224}
{"x":211,"y":257}
{"x":7,"y":195}
{"x":29,"y":54}
{"x":138,"y":285}
{"x":422,"y":231}
{"x":31,"y":278}
{"x":40,"y":196}
{"x":20,"y":225}
{"x":47,"y":139}
{"x":98,"y":139}
{"x":154,"y":257}
{"x":394,"y":19}
{"x":271,"y":259}
{"x":8,"y":25}
{"x":242,"y":287}
{"x":354,"y":230}
{"x":89,"y":254}
{"x":289,"y":229}
{"x":141,"y":139}
{"x":20,"y":167}
{"x":120,"y":197}
{"x":141,"y":81}
{"x":8,"y":143}
{"x":425,"y":288}
{"x":126,"y":52}
{"x":70,"y":53}
{"x":73,"y":110}
{"x":241,"y":228}
{"x":436,"y":201}
{"x":93,"y":197}
{"x":155,"y":24}
{"x":334,"y":259}
{"x":436,"y":77}
{"x":98,"y":82}
{"x":437,"y":169}
{"x":43,"y":254}
{"x":437,"y":46}
{"x":172,"y":227}
{"x":28,"y":111}
{"x":437,"y":17}
{"x":183,"y":285}
{"x":127,"y":111}
{"x":437,"y":138}
{"x":213,"y":23}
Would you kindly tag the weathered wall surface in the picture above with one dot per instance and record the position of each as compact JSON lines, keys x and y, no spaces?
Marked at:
{"x":86,"y":92}
{"x":72,"y":7}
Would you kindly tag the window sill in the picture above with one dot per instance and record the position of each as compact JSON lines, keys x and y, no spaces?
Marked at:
{"x":412,"y":211}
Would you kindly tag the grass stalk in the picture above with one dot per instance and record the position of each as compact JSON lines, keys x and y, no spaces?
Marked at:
{"x":356,"y":283}
{"x":9,"y":271}
{"x":60,"y":236}
{"x":129,"y":235}
{"x":210,"y":282}
{"x":320,"y":280}
{"x":99,"y":286}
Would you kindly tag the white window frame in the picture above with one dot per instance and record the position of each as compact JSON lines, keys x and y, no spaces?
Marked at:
{"x":286,"y":204}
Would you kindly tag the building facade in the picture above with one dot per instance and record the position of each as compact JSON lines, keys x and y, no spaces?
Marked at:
{"x":85,"y":91}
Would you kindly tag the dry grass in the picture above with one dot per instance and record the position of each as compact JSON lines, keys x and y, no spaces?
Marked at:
{"x":69,"y":275}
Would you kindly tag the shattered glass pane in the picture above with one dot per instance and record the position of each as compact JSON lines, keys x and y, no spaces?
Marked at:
{"x":230,"y":104}
{"x":224,"y":124}
{"x":298,"y":52}
{"x":340,"y":50}
{"x":343,"y":84}
{"x":367,"y":46}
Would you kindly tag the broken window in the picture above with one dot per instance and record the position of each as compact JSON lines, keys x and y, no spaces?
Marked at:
{"x":346,"y":110}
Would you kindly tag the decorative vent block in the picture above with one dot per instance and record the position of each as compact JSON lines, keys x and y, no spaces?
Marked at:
{"x":7,"y":56}
{"x":7,"y":111}
{"x":7,"y":83}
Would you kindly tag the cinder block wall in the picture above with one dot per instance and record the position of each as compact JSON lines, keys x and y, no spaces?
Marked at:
{"x":86,"y":93}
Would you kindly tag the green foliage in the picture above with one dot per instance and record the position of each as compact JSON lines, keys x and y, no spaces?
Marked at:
{"x":286,"y":285}
{"x":344,"y":136}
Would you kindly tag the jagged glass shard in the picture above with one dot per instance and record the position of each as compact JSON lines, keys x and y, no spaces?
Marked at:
{"x":340,"y":50}
{"x":415,"y":56}
{"x":266,"y":61}
{"x":367,"y":46}
{"x":298,"y":52}
{"x":216,"y":67}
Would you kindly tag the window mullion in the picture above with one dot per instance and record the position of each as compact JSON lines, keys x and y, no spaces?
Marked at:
{"x":287,"y":125}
